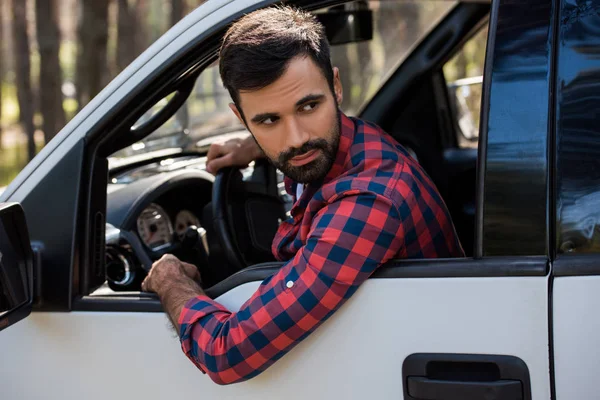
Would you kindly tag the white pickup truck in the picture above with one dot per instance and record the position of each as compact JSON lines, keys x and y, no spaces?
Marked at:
{"x":514,"y":149}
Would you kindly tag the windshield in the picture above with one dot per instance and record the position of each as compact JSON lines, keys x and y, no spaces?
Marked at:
{"x":205,"y":117}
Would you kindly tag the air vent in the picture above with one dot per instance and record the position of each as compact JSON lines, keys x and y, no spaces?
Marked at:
{"x":99,"y":243}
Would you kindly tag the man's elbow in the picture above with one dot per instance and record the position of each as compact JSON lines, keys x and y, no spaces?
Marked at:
{"x":222,"y":380}
{"x":224,"y":374}
{"x":216,"y":378}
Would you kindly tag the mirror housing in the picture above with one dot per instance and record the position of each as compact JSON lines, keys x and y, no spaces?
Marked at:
{"x":344,"y":26}
{"x":16,"y":266}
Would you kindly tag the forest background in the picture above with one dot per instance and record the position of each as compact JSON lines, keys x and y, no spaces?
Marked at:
{"x":56,"y":55}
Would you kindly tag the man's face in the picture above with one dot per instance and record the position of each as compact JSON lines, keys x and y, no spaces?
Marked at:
{"x":295,"y":120}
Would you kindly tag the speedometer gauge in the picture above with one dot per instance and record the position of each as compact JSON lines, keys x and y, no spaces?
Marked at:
{"x":185,"y":219}
{"x":154,"y":226}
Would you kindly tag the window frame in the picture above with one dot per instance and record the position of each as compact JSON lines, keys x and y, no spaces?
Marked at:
{"x":514,"y":181}
{"x":84,"y":170}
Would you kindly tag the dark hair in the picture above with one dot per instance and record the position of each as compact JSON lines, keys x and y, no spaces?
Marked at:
{"x":258,"y":47}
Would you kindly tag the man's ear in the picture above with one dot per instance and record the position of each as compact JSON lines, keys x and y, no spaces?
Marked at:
{"x":237,"y":113}
{"x":337,"y":86}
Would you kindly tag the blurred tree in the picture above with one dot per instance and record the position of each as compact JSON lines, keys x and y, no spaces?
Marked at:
{"x":157,"y":19}
{"x":2,"y":64}
{"x":126,"y":46}
{"x":400,"y":21}
{"x":461,"y":64}
{"x":92,"y":68}
{"x":48,"y":38}
{"x":193,"y":4}
{"x":364,"y":70}
{"x":177,"y":13}
{"x":142,"y":40}
{"x":341,"y":59}
{"x":23,"y":72}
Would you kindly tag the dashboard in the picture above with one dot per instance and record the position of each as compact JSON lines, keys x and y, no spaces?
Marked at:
{"x":163,"y":207}
{"x":152,"y":210}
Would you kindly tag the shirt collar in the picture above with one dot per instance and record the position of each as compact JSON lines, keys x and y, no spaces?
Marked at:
{"x":347,"y":131}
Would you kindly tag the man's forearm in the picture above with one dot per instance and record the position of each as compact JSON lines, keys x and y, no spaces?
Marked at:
{"x":175,"y":293}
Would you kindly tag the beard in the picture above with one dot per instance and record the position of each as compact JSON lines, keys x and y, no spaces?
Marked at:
{"x":317,"y":169}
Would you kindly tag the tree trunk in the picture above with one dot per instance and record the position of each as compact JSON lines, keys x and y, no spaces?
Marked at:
{"x":48,"y":37}
{"x":23,"y":71}
{"x":461,"y":65}
{"x":141,"y":29}
{"x":365,"y":71}
{"x":221,"y":95}
{"x":193,"y":4}
{"x":92,"y":58}
{"x":2,"y":64}
{"x":398,"y":20}
{"x":126,"y":48}
{"x":341,"y":59}
{"x":177,"y":13}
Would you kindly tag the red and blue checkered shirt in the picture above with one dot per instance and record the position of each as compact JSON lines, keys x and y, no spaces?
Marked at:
{"x":375,"y":204}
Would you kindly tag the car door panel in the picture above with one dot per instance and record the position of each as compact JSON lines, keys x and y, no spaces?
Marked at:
{"x":576,"y":269}
{"x":358,"y":353}
{"x":576,"y":323}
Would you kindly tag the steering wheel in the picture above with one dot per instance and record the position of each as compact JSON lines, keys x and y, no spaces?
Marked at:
{"x":246,"y":214}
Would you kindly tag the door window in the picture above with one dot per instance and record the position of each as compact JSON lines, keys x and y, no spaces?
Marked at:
{"x":578,"y":139}
{"x":397,"y":26}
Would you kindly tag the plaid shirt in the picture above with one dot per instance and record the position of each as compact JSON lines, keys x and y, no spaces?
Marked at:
{"x":375,"y":204}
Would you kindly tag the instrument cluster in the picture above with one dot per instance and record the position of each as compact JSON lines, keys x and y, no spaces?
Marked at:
{"x":157,"y":229}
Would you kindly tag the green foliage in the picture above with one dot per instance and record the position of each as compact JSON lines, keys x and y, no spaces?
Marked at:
{"x":469,"y":61}
{"x":364,"y":67}
{"x":68,"y":59}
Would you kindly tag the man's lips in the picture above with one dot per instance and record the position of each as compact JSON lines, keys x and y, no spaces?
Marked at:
{"x":305,"y":158}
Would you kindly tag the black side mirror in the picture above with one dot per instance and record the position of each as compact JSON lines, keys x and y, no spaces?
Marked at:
{"x":16,"y":266}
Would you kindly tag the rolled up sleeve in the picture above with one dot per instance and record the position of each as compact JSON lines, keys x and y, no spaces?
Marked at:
{"x":348,"y":239}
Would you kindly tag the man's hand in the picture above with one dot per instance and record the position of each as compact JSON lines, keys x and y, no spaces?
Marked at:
{"x":166,"y":270}
{"x":176,"y":282}
{"x":234,"y":152}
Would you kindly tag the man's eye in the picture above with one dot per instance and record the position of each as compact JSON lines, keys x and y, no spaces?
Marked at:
{"x":309,"y":106}
{"x":268,"y":121}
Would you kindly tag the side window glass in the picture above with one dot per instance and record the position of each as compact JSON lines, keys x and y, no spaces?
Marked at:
{"x":577,"y":169}
{"x":464,"y":78}
{"x":205,"y":113}
{"x":398,"y":25}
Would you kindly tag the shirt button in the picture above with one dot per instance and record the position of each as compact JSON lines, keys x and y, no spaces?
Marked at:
{"x":289,"y":284}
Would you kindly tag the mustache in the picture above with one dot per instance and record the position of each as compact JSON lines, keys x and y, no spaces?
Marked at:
{"x":317,"y":144}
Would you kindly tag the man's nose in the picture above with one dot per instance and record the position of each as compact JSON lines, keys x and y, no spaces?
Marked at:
{"x":296,"y":135}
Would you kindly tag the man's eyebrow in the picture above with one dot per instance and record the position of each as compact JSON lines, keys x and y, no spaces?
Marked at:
{"x":311,"y":97}
{"x":261,"y":117}
{"x":308,"y":98}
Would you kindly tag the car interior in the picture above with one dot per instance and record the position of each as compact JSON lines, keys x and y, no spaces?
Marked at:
{"x":150,"y":193}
